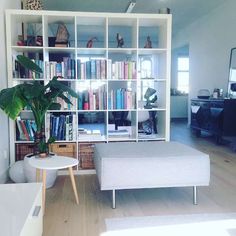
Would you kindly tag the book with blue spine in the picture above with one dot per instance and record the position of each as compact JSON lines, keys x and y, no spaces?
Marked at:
{"x":88,"y":69}
{"x":118,"y":99}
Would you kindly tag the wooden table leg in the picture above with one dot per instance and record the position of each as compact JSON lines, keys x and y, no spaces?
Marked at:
{"x":44,"y":190}
{"x":37,"y":175}
{"x":73,"y":184}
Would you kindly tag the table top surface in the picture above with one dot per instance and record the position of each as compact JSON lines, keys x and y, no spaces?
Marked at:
{"x":53,"y":162}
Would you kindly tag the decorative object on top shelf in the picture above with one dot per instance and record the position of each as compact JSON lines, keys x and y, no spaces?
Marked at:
{"x":148,"y":43}
{"x":91,"y":41}
{"x":62,"y":37}
{"x":20,"y":41}
{"x":164,"y":10}
{"x":32,"y":4}
{"x":150,"y":100}
{"x":38,"y":97}
{"x":39,"y":41}
{"x":120,"y":40}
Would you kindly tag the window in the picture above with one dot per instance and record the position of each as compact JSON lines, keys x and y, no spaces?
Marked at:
{"x":183,"y":74}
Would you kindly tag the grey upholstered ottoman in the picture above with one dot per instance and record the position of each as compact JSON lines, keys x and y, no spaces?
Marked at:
{"x":150,"y":165}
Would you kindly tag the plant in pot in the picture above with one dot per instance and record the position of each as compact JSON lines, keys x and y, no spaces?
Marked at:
{"x":38,"y":97}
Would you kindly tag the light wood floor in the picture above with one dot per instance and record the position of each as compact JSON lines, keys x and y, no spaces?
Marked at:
{"x":64,"y":218}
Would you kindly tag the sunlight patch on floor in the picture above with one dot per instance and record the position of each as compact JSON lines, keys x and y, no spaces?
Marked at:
{"x":209,"y":228}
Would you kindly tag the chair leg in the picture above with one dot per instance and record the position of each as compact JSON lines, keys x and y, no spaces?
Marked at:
{"x":73,"y":185}
{"x":44,"y":189}
{"x":195,"y":195}
{"x":37,"y":175}
{"x":113,"y":198}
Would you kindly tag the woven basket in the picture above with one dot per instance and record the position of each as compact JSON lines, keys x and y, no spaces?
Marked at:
{"x":86,"y":151}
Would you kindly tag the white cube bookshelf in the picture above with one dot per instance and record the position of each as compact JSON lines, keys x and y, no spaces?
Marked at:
{"x":128,"y":76}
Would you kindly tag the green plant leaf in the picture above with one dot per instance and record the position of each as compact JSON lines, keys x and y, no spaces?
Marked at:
{"x":55,"y":106}
{"x":12,"y":102}
{"x":66,"y":99}
{"x":54,"y":83}
{"x":27,"y":63}
{"x":52,"y":139}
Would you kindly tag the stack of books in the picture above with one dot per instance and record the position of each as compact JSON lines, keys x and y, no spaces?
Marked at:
{"x":89,"y":134}
{"x":122,"y":133}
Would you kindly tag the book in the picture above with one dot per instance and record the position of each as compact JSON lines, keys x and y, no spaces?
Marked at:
{"x":78,"y":69}
{"x":24,"y":129}
{"x":21,"y":133}
{"x":118,"y":133}
{"x":88,"y":69}
{"x":69,"y":128}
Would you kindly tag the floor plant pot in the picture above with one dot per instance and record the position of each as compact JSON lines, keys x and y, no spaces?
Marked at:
{"x":30,"y":173}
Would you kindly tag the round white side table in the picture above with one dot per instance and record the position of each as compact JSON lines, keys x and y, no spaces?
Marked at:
{"x":54,"y":163}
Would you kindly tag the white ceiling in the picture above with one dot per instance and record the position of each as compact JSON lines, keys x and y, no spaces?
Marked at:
{"x":183,"y":11}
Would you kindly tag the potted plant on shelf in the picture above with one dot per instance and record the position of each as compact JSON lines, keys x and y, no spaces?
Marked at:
{"x":38,"y":97}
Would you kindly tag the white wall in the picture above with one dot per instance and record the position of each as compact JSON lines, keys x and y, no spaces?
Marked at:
{"x":210,"y":40}
{"x":4,"y":142}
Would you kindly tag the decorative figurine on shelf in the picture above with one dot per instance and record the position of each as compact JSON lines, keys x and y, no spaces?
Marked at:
{"x":150,"y":101}
{"x":90,"y":42}
{"x":39,"y":41}
{"x":120,"y":40}
{"x":148,"y":43}
{"x":62,"y":37}
{"x":20,"y":41}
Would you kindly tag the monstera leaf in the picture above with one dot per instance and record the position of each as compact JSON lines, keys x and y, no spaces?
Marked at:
{"x":12,"y":102}
{"x":29,"y":64}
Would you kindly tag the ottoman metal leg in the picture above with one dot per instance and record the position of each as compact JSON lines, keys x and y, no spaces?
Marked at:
{"x":113,"y":199}
{"x":195,"y":195}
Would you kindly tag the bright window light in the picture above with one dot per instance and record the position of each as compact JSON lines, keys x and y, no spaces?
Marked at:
{"x":183,"y":74}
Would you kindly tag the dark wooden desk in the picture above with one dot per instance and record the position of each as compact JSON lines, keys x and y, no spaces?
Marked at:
{"x":216,"y":116}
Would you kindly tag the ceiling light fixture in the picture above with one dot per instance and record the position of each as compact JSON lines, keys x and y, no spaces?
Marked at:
{"x":130,"y":7}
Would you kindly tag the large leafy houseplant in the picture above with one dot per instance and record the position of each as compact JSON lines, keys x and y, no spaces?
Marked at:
{"x":38,"y":97}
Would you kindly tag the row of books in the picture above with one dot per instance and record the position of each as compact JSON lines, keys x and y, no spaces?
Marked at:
{"x":103,"y":69}
{"x":93,"y":99}
{"x":20,"y":71}
{"x":124,"y":70}
{"x":62,"y":127}
{"x":65,"y":68}
{"x":25,"y":129}
{"x":92,"y":69}
{"x":121,"y":98}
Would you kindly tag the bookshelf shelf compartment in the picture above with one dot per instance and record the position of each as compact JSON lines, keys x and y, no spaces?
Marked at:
{"x":110,"y":81}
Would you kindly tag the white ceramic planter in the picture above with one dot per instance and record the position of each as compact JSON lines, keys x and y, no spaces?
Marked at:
{"x":30,"y":173}
{"x":16,"y":172}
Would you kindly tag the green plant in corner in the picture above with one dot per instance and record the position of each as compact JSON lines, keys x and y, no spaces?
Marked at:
{"x":38,"y":97}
